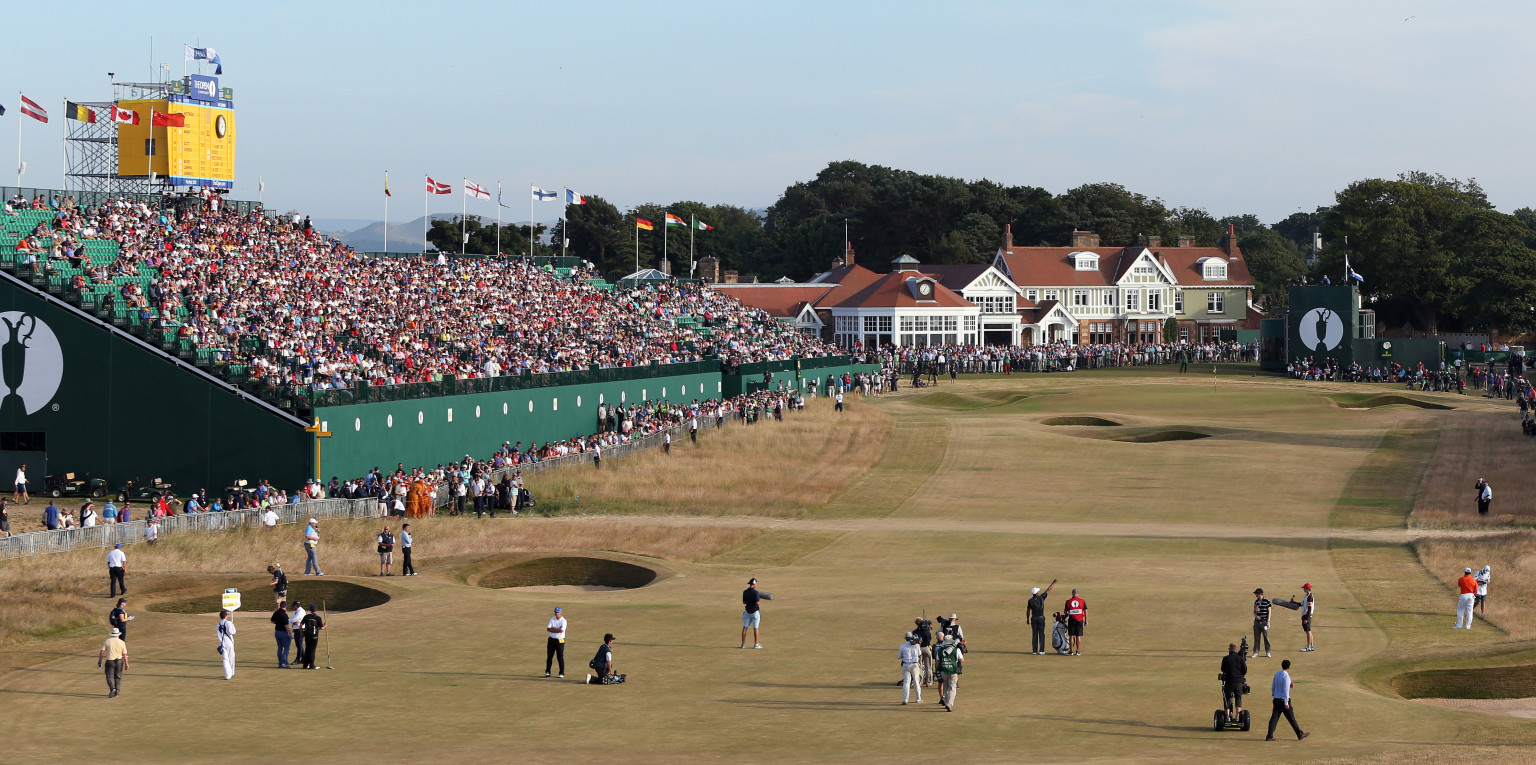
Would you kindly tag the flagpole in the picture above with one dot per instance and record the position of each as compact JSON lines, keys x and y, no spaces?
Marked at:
{"x":386,"y":210}
{"x":463,"y":211}
{"x":498,"y":217}
{"x":19,"y":115}
{"x":64,"y":147}
{"x":693,"y":223}
{"x":565,"y":197}
{"x":664,"y":227}
{"x":637,"y":244}
{"x":149,"y":156}
{"x":531,"y":200}
{"x":424,"y":220}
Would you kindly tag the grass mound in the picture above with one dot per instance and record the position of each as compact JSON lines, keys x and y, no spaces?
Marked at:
{"x":957,"y":402}
{"x":1516,"y":682}
{"x":581,"y":571}
{"x":1160,"y":436}
{"x":1081,"y":420}
{"x":338,"y":596}
{"x":1367,"y":401}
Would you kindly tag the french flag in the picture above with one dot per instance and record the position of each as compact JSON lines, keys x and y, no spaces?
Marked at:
{"x":572,"y":198}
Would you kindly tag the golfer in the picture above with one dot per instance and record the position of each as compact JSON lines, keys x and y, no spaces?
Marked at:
{"x":751,"y":617}
{"x":1036,"y":613}
{"x":1482,"y":576}
{"x":556,"y":645}
{"x":1261,"y":608}
{"x":386,"y":542}
{"x":1466,"y":600}
{"x":279,"y":583}
{"x":1308,"y":606}
{"x":951,"y":662}
{"x":227,"y":630}
{"x":1281,"y":690}
{"x":113,"y":659}
{"x":1077,"y":619}
{"x":309,"y":627}
{"x":311,"y":542}
{"x":406,"y":569}
{"x":1484,"y":496}
{"x":910,"y":655}
{"x":119,"y":618}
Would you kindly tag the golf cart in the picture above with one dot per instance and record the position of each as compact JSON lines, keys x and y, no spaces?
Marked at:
{"x":68,"y":485}
{"x":133,"y":488}
{"x":1224,"y":719}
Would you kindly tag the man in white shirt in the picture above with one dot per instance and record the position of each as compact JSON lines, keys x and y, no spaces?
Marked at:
{"x":152,"y":531}
{"x":269,"y":518}
{"x":1280,"y":688}
{"x":117,"y":566}
{"x":20,"y":494}
{"x":910,"y":655}
{"x":1481,"y":577}
{"x":295,"y":616}
{"x":556,"y":646}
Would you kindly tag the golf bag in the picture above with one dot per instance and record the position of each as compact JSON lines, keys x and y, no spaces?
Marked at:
{"x":1059,"y":640}
{"x":605,"y":680}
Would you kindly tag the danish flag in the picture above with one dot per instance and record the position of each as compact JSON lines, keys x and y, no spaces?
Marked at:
{"x":433,"y":187}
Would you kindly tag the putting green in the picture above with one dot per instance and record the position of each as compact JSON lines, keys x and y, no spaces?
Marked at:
{"x":965,"y":509}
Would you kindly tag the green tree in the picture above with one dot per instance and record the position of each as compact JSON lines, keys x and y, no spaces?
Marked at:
{"x":445,"y":236}
{"x":1274,"y":262}
{"x":1170,"y":330}
{"x":1499,"y":271}
{"x":597,"y":233}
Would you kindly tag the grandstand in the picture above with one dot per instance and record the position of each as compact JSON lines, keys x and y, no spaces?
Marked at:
{"x":285,"y":328}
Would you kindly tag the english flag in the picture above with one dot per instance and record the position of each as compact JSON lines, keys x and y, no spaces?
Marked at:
{"x":31,"y":109}
{"x":473,"y":189}
{"x":433,"y":187}
{"x":124,"y":116}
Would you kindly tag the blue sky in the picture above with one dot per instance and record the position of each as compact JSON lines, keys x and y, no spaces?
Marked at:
{"x":1260,"y":107}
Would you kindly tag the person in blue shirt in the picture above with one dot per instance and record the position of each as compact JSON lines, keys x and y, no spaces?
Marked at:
{"x":51,"y":517}
{"x":1280,"y":689}
{"x":109,"y":512}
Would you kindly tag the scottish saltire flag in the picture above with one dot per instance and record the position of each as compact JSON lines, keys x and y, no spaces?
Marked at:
{"x":540,"y":195}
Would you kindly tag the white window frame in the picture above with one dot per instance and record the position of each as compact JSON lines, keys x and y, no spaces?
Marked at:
{"x":1178,"y":301}
{"x":1216,"y":303}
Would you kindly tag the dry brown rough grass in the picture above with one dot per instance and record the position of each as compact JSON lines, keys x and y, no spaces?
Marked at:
{"x":1477,"y":445}
{"x":768,"y":468}
{"x":1512,"y":588}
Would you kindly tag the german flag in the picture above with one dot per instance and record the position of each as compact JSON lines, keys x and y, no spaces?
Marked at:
{"x":78,"y":113}
{"x":644,"y":225}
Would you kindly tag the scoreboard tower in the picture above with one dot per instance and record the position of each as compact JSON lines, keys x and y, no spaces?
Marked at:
{"x":182,"y":136}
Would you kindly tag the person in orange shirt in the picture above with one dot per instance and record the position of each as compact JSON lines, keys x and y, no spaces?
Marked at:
{"x":1468,"y":587}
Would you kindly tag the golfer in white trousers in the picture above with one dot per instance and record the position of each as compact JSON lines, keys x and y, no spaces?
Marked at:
{"x":227,"y":643}
{"x":911,"y":656}
{"x":1468,"y":587}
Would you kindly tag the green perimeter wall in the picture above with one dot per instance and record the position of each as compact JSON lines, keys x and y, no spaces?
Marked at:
{"x":123,"y":410}
{"x":420,"y":432}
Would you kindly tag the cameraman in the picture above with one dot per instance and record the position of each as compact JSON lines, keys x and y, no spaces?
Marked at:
{"x":1234,"y":672}
{"x":924,"y":634}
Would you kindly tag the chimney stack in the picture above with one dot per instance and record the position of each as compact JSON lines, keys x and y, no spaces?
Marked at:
{"x":1186,"y":240}
{"x":1084,"y":239}
{"x":666,"y":267}
{"x":847,"y":253}
{"x":1008,"y":238}
{"x":731,"y":277}
{"x":1150,"y":241}
{"x":709,"y":269}
{"x":1229,"y":242}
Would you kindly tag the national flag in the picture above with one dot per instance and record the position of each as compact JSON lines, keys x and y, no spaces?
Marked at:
{"x":2,"y":110}
{"x":644,"y":224}
{"x":572,"y":198}
{"x":78,"y":113}
{"x":472,"y":189}
{"x":702,"y":226}
{"x":673,"y":220}
{"x":204,"y":54}
{"x":433,"y":187}
{"x":386,"y":184}
{"x":31,"y":109}
{"x":1350,"y":272}
{"x":540,"y":195}
{"x":125,"y":116}
{"x":163,"y":119}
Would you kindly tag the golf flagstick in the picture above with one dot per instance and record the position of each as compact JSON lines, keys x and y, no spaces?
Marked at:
{"x":327,"y":635}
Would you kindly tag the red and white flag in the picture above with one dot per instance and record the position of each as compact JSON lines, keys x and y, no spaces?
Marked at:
{"x":31,"y":109}
{"x":472,"y":189}
{"x":433,"y":187}
{"x":124,"y":116}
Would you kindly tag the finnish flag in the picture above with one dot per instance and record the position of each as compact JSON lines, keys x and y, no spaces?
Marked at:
{"x":540,"y":195}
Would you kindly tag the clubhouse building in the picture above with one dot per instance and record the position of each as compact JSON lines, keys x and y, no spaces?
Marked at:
{"x":1081,"y":294}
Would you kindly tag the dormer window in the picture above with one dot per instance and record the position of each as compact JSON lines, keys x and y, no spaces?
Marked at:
{"x":1213,"y":269}
{"x":1085,"y":261}
{"x":923,"y":289}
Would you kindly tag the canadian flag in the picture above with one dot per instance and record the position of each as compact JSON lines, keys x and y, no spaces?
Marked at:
{"x":124,"y":116}
{"x":433,"y":187}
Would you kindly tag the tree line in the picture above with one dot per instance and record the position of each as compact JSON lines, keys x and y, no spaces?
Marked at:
{"x":1434,"y":253}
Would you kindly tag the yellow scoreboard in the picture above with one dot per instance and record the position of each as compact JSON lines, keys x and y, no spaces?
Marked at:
{"x":198,"y":152}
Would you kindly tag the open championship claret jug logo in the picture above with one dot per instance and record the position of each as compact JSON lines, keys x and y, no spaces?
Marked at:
{"x":31,"y":361}
{"x":1321,"y":330}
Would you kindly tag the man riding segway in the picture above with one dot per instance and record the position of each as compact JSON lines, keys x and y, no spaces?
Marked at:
{"x":1233,"y":677}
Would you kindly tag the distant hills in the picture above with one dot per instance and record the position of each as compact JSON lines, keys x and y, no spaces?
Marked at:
{"x":368,"y":236}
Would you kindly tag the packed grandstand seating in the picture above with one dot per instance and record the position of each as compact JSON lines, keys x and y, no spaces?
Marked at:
{"x":269,"y":301}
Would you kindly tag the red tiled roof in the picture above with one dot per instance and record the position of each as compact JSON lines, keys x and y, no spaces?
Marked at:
{"x":783,"y":301}
{"x":849,"y":279}
{"x":1050,"y":266}
{"x":891,"y":291}
{"x":1185,"y":265}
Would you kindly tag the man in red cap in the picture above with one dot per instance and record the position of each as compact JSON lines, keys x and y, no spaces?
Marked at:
{"x":1308,"y":605}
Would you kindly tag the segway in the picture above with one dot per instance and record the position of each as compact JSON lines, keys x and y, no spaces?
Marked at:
{"x":1224,"y":719}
